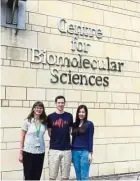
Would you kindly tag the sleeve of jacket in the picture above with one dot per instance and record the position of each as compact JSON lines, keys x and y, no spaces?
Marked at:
{"x":91,"y":134}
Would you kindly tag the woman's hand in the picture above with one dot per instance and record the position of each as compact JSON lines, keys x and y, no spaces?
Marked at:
{"x":90,"y":158}
{"x":20,"y":157}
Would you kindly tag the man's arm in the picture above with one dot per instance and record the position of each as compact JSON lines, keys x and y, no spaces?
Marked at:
{"x":49,"y":131}
{"x":49,"y":125}
{"x":70,"y":130}
{"x":71,"y":124}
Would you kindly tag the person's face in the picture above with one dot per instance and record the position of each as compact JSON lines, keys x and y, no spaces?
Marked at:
{"x":60,"y":104}
{"x":82,"y":114}
{"x":38,"y":110}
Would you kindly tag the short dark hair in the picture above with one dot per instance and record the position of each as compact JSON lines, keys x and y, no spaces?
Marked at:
{"x":60,"y":97}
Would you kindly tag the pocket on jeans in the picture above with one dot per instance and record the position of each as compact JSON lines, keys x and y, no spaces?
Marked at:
{"x":73,"y":155}
{"x":85,"y":152}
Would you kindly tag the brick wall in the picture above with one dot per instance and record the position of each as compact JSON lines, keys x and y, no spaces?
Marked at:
{"x":115,"y":110}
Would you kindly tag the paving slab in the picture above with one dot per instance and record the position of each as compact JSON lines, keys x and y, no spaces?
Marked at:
{"x":123,"y":177}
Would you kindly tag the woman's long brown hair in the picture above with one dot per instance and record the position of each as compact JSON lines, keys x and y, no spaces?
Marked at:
{"x":43,"y":116}
{"x":76,"y":129}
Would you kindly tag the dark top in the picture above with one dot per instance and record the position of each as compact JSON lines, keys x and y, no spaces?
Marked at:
{"x":60,"y":133}
{"x":84,"y":141}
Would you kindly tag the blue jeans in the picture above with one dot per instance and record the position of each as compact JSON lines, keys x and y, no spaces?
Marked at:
{"x":81,"y":164}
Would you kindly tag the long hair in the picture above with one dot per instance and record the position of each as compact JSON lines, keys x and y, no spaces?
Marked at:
{"x":76,"y":129}
{"x":77,"y":120}
{"x":43,"y":116}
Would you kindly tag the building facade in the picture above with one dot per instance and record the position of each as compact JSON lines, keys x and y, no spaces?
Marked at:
{"x":88,"y":51}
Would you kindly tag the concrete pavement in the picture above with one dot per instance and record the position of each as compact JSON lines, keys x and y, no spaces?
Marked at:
{"x":132,"y":177}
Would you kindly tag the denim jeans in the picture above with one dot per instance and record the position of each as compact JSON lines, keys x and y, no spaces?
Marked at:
{"x":81,"y":164}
